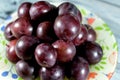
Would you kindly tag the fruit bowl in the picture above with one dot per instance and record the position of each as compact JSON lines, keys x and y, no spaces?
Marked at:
{"x":101,"y":71}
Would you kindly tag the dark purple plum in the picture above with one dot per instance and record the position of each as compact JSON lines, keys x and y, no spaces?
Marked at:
{"x":25,"y":70}
{"x":81,"y":37}
{"x":93,"y":52}
{"x":23,"y":10}
{"x":70,"y":8}
{"x":66,"y":27}
{"x":21,"y":26}
{"x":10,"y":51}
{"x":8,"y":34}
{"x":45,"y":55}
{"x":65,"y":50}
{"x":40,"y":9}
{"x":45,"y":32}
{"x":54,"y":73}
{"x":80,"y":69}
{"x":91,"y":33}
{"x":25,"y":47}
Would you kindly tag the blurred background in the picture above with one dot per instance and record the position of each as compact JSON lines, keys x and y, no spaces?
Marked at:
{"x":108,"y":10}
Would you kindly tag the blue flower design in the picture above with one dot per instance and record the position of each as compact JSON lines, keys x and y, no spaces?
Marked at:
{"x":14,"y":76}
{"x":91,"y":14}
{"x":9,"y":18}
{"x":5,"y":73}
{"x":3,"y":28}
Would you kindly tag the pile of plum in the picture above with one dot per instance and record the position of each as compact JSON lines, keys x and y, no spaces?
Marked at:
{"x":51,"y":42}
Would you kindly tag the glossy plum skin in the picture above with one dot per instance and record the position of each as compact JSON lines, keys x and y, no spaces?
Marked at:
{"x":45,"y":32}
{"x":8,"y":34}
{"x":66,"y":27}
{"x":80,"y":69}
{"x":65,"y":50}
{"x":54,"y":73}
{"x":23,"y":10}
{"x":69,"y":8}
{"x":45,"y":55}
{"x":21,"y":27}
{"x":39,"y":9}
{"x":91,"y":33}
{"x":25,"y":47}
{"x":93,"y":52}
{"x":81,"y":37}
{"x":24,"y":70}
{"x":10,"y":51}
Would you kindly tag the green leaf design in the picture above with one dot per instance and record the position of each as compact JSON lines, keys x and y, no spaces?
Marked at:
{"x":98,"y":28}
{"x":103,"y":47}
{"x":4,"y":42}
{"x":5,"y":61}
{"x":97,"y":68}
{"x":107,"y":29}
{"x":38,"y":78}
{"x":0,"y":34}
{"x":20,"y":78}
{"x":111,"y":33}
{"x":83,"y":12}
{"x":105,"y":25}
{"x":101,"y":67}
{"x":115,"y":45}
{"x":107,"y":47}
{"x":104,"y":58}
{"x":0,"y":57}
{"x":103,"y":62}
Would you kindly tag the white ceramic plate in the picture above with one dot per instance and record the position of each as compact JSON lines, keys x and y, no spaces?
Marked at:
{"x":101,"y":71}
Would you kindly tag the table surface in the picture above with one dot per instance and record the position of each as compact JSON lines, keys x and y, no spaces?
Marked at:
{"x":108,"y":10}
